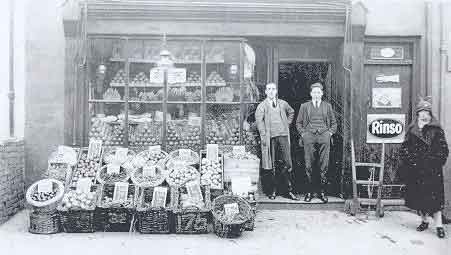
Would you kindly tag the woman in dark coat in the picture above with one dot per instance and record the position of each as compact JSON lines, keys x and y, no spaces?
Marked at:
{"x":423,"y":154}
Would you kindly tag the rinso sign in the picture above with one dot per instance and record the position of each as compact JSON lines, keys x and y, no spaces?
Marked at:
{"x":385,"y":128}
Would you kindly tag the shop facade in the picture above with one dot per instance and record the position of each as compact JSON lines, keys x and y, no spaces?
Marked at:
{"x":292,"y":43}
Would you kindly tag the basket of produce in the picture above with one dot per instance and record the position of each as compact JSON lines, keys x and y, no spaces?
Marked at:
{"x":149,"y":175}
{"x":185,"y":157}
{"x":153,"y":211}
{"x":212,"y":171}
{"x":113,"y":155}
{"x":60,"y":164}
{"x":148,"y":156}
{"x":86,"y":167}
{"x":115,"y":207}
{"x":192,"y":210}
{"x":43,"y":197}
{"x":230,"y":214}
{"x":76,"y":212}
{"x":242,"y":164}
{"x":112,"y":173}
{"x":181,"y":174}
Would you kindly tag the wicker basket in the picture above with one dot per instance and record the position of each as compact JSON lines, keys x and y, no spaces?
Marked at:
{"x":172,"y":182}
{"x":122,"y":178}
{"x":143,"y":157}
{"x":74,"y":177}
{"x":109,"y":154}
{"x":144,"y":182}
{"x":115,"y":218}
{"x":59,"y":169}
{"x":234,"y":227}
{"x":175,"y":158}
{"x":192,"y":220}
{"x":44,"y":217}
{"x":203,"y":154}
{"x":153,"y":220}
{"x":77,"y":220}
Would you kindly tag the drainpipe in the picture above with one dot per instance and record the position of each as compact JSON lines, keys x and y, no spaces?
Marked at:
{"x":11,"y":94}
{"x":443,"y":55}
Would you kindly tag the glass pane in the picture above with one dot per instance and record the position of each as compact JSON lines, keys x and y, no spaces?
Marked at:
{"x":183,"y":127}
{"x":223,"y":124}
{"x":107,"y":123}
{"x":223,"y":71}
{"x":106,"y":70}
{"x":252,"y":92}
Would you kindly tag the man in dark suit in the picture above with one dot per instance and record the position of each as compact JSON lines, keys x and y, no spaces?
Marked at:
{"x":316,"y":124}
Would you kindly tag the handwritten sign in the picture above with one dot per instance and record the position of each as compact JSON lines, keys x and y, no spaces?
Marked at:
{"x":212,"y":152}
{"x":239,"y":150}
{"x":45,"y":186}
{"x":176,"y":75}
{"x":149,"y":170}
{"x":194,"y":192}
{"x":113,"y":169}
{"x":121,"y":154}
{"x":120,"y":191}
{"x":95,"y":148}
{"x":156,"y":75}
{"x":159,"y":197}
{"x":84,"y":185}
{"x":231,"y":209}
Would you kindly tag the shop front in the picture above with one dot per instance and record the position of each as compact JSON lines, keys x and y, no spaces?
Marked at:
{"x":184,"y":75}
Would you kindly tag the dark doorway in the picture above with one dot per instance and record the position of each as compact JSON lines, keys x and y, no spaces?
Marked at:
{"x":294,"y":83}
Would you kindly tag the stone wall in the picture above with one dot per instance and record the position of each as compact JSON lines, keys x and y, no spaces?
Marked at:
{"x":12,"y":163}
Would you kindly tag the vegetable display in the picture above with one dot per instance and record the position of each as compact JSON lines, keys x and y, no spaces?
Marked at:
{"x":85,"y":168}
{"x":211,"y":173}
{"x":43,"y":196}
{"x":180,"y":175}
{"x":78,"y":200}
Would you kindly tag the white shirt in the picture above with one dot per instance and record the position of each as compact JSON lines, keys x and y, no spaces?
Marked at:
{"x":316,"y":103}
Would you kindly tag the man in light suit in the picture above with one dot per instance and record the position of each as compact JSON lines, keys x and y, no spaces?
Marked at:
{"x":273,"y":117}
{"x":316,"y":124}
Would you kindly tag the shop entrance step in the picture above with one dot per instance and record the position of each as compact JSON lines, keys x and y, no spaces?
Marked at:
{"x":281,"y":203}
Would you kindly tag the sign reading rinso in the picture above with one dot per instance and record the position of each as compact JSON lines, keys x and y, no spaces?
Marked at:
{"x":385,"y":128}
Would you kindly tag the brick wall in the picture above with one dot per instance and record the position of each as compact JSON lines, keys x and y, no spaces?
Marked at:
{"x":12,"y":165}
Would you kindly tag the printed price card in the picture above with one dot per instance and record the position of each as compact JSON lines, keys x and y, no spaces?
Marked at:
{"x":120,"y":191}
{"x":94,"y":149}
{"x":194,"y":191}
{"x":121,"y":154}
{"x":239,"y":149}
{"x":176,"y":75}
{"x":84,"y":185}
{"x":159,"y":197}
{"x":113,"y":168}
{"x":149,"y":170}
{"x":212,"y":152}
{"x":45,"y":186}
{"x":231,"y":209}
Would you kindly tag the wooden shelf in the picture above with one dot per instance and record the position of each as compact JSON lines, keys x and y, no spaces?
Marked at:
{"x":149,"y":61}
{"x":145,"y":102}
{"x":147,"y":85}
{"x":185,"y":85}
{"x":184,"y":102}
{"x":218,"y":102}
{"x":105,"y":101}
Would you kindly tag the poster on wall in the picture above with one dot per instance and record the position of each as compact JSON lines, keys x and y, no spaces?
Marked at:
{"x":385,"y":128}
{"x":387,"y":98}
{"x":387,"y":79}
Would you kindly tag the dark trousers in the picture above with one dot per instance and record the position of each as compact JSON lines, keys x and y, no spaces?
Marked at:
{"x":316,"y":144}
{"x":281,"y":156}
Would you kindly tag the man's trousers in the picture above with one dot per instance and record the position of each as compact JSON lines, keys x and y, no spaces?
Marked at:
{"x":316,"y":144}
{"x":281,"y":156}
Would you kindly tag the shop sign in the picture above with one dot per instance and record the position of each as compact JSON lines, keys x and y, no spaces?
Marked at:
{"x":176,"y":75}
{"x":382,"y":78}
{"x":385,"y":128}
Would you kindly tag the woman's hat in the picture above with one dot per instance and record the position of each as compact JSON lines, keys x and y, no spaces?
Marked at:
{"x":424,"y":105}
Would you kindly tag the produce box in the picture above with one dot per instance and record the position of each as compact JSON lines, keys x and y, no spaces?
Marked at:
{"x":153,"y":219}
{"x":241,"y":165}
{"x":76,"y":212}
{"x":181,"y":134}
{"x":191,"y":219}
{"x":61,"y":163}
{"x":115,"y":215}
{"x":212,"y":172}
{"x":85,"y":168}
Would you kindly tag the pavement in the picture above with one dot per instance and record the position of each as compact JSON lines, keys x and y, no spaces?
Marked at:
{"x":277,"y":231}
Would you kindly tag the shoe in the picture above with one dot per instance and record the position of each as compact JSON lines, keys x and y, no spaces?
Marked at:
{"x":323,"y":198}
{"x":441,"y":232}
{"x":272,"y":196}
{"x":292,"y":196}
{"x":308,"y":197}
{"x":423,"y":226}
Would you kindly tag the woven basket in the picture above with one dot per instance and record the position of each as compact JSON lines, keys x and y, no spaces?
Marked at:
{"x":170,"y":181}
{"x":139,"y":180}
{"x":230,"y":228}
{"x":44,"y":216}
{"x":74,"y":178}
{"x":108,"y":156}
{"x":123,"y":178}
{"x":153,"y":220}
{"x":192,"y":220}
{"x":174,"y":158}
{"x":143,"y":157}
{"x":115,"y":218}
{"x":77,"y":220}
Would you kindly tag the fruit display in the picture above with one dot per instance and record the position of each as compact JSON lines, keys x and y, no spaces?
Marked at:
{"x":108,"y":202}
{"x":195,"y":95}
{"x":85,"y":168}
{"x":150,"y":95}
{"x":74,"y":200}
{"x":140,"y":80}
{"x":138,"y":177}
{"x":115,"y":135}
{"x":145,"y":134}
{"x":110,"y":157}
{"x":43,"y":196}
{"x":107,"y":129}
{"x":177,"y":93}
{"x":148,"y":157}
{"x":251,"y":138}
{"x":241,"y":156}
{"x":193,"y":79}
{"x":64,"y":155}
{"x":179,"y":157}
{"x":182,"y":135}
{"x":224,"y":94}
{"x":180,"y":175}
{"x":215,"y":54}
{"x":104,"y":177}
{"x":223,"y":129}
{"x":111,"y":94}
{"x":215,"y":79}
{"x":119,"y":79}
{"x":211,"y":173}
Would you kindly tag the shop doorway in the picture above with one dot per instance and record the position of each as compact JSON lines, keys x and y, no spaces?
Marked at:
{"x":294,"y":83}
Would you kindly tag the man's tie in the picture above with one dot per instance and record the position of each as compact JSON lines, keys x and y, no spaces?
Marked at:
{"x":274,"y":104}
